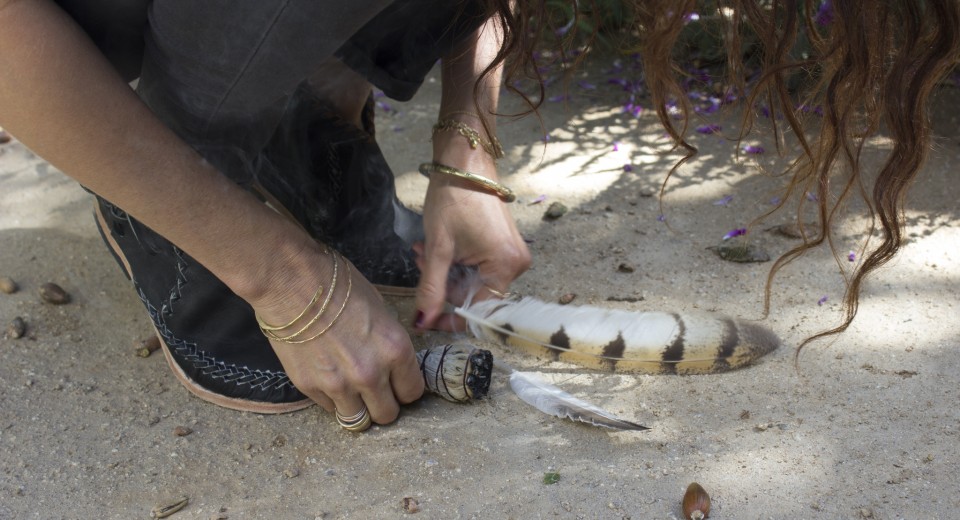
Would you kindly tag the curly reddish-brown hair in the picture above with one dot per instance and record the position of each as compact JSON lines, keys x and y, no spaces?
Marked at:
{"x":873,"y":64}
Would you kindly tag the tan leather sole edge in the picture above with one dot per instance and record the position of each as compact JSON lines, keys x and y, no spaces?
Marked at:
{"x":233,"y":403}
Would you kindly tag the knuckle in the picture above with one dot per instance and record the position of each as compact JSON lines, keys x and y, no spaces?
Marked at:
{"x":367,"y":375}
{"x":335,"y":387}
{"x":387,"y":415}
{"x":414,"y":392}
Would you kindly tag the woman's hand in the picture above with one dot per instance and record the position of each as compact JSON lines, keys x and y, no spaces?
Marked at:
{"x":365,"y":357}
{"x":466,"y":225}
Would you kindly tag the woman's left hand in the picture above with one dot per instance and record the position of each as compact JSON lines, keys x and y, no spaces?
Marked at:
{"x":469,"y":226}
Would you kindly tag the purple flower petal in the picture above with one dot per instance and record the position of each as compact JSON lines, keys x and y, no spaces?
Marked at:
{"x":822,"y":300}
{"x":735,"y":233}
{"x":753,"y":150}
{"x":586,"y":85}
{"x":628,"y":168}
{"x":708,"y":129}
{"x":619,"y":81}
{"x":824,"y":15}
{"x":691,"y":17}
{"x":555,"y":99}
{"x":661,"y":218}
{"x":852,"y":257}
{"x":538,"y":200}
{"x":724,"y":201}
{"x":616,"y":146}
{"x":774,"y":201}
{"x":812,"y":197}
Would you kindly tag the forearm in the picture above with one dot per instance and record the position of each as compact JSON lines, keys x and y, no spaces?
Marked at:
{"x":460,"y":70}
{"x":61,"y":98}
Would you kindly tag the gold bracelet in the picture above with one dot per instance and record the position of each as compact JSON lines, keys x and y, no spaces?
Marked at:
{"x":333,"y":285}
{"x":505,"y":193}
{"x":265,"y":326}
{"x":270,"y":331}
{"x":449,"y":115}
{"x":335,"y":318}
{"x":492,"y":146}
{"x":316,"y":297}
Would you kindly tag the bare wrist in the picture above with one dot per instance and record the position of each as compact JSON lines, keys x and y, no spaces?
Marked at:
{"x":280,"y":269}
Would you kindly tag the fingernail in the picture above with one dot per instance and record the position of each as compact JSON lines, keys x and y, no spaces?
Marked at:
{"x":418,"y":320}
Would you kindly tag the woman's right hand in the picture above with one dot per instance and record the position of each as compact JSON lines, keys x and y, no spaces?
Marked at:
{"x":364,"y":358}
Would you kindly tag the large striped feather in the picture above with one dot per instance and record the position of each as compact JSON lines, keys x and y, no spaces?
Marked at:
{"x":612,"y":339}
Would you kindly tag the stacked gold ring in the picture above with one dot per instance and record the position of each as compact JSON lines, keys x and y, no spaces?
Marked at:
{"x":357,"y":422}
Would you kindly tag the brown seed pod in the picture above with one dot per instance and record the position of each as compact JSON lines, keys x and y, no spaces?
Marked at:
{"x":182,"y":431}
{"x":53,"y":293}
{"x":168,"y":508}
{"x":696,"y":502}
{"x":7,"y":285}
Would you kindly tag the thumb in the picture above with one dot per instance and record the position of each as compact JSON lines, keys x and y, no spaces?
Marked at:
{"x":432,"y":289}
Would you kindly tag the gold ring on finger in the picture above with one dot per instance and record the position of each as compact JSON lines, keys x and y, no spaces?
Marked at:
{"x":362,"y":425}
{"x":500,"y":294}
{"x":357,"y":422}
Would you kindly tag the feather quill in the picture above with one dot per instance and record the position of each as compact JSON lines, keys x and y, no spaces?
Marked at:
{"x":649,"y":342}
{"x":551,"y":400}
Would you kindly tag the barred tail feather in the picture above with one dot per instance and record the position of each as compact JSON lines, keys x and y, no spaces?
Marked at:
{"x":611,"y":339}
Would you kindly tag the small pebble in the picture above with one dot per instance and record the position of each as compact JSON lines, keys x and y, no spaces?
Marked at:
{"x":7,"y":285}
{"x":182,"y":431}
{"x":4,"y":137}
{"x":555,"y":211}
{"x":739,"y":252}
{"x":53,"y":293}
{"x":410,"y":505}
{"x":148,"y":346}
{"x":567,"y":298}
{"x":279,"y":441}
{"x":626,"y":268}
{"x":291,"y":473}
{"x":17,"y":328}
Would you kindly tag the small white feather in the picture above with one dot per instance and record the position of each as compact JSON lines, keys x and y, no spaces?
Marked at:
{"x":551,"y":400}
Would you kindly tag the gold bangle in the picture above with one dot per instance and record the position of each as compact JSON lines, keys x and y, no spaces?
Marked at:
{"x":492,"y":146}
{"x":270,"y":331}
{"x":333,"y":285}
{"x":316,"y":297}
{"x":335,"y":318}
{"x":505,"y":193}
{"x":265,"y":326}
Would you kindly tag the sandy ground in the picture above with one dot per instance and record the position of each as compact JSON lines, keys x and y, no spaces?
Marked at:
{"x":865,"y":426}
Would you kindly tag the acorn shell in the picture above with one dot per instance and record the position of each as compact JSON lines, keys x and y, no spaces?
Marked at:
{"x":696,"y":502}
